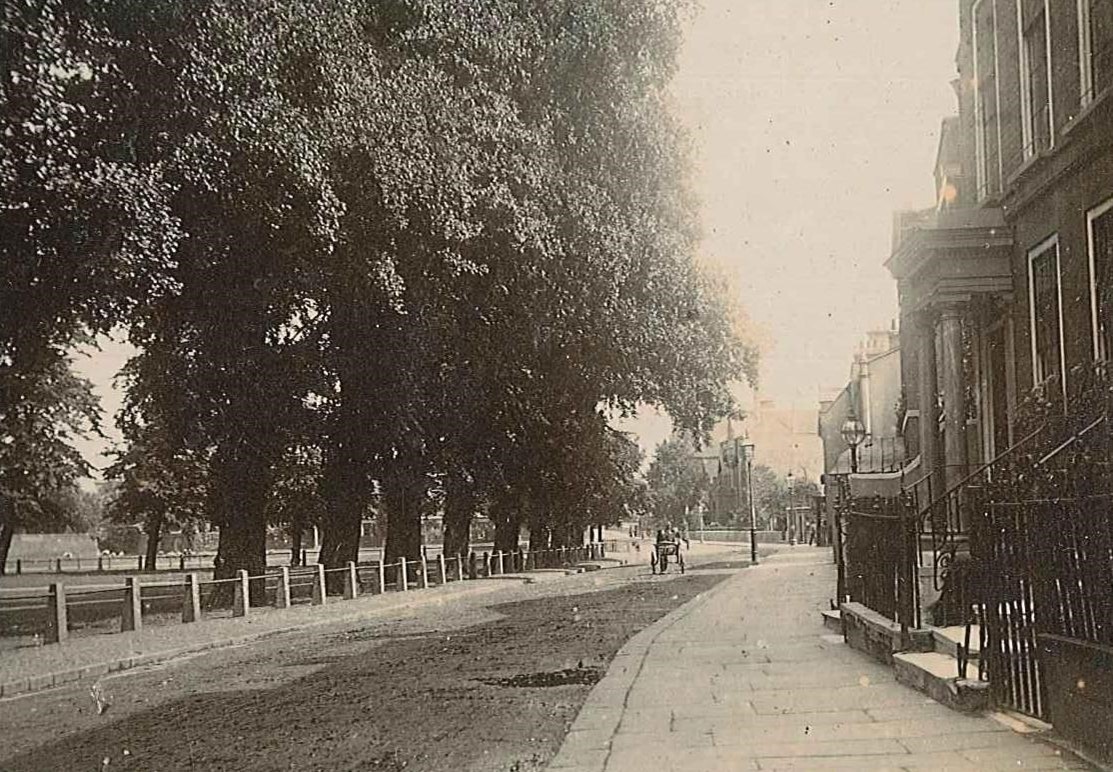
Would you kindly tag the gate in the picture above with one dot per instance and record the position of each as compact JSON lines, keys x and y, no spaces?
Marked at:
{"x":880,"y":557}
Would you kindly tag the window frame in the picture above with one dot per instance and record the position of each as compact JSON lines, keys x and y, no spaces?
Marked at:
{"x":1092,"y":215}
{"x":1027,"y":122}
{"x":1036,"y":252}
{"x":1086,"y":53}
{"x":981,"y":166}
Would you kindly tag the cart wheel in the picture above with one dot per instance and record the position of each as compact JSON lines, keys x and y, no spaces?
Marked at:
{"x":680,"y":562}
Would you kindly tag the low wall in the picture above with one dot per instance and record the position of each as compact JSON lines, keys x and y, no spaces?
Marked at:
{"x":48,"y":546}
{"x":877,"y":635}
{"x":763,"y":537}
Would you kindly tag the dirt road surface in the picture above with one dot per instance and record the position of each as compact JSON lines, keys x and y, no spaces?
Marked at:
{"x":483,"y":683}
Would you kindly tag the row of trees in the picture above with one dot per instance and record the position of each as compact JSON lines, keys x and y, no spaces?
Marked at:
{"x":394,"y":256}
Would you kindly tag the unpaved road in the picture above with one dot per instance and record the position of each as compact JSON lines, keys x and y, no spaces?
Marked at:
{"x":484,"y":683}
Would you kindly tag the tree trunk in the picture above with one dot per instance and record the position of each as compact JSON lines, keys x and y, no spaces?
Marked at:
{"x":346,"y":489}
{"x":239,"y":484}
{"x":507,"y":519}
{"x":297,"y":531}
{"x":154,"y":535}
{"x":403,"y":494}
{"x":539,"y":532}
{"x":7,"y":530}
{"x":459,"y":509}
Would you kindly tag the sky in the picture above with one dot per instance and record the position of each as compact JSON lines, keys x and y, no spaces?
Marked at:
{"x":812,"y":121}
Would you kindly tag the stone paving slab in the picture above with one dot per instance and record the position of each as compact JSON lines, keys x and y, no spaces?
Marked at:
{"x":746,"y":677}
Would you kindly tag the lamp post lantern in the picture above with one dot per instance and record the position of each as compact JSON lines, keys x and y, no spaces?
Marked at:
{"x":853,"y":433}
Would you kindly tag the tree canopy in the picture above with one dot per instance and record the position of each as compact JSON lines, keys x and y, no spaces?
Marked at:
{"x":413,"y":252}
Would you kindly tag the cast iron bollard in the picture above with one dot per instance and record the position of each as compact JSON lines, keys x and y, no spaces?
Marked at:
{"x":350,"y":580}
{"x":191,"y":599}
{"x":382,"y":575}
{"x":282,"y":592}
{"x":502,"y":564}
{"x":132,"y":617}
{"x":424,"y":570}
{"x":241,"y":597}
{"x":486,"y":563}
{"x":57,"y":565}
{"x":405,"y":579}
{"x":471,"y":565}
{"x":58,"y":628}
{"x":319,"y":594}
{"x":18,"y":566}
{"x":100,"y":564}
{"x":444,"y":569}
{"x":181,"y":562}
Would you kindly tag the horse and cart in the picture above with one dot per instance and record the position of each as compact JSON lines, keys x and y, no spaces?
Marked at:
{"x":663,"y":551}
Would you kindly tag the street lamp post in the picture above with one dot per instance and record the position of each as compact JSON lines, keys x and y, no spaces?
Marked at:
{"x":790,"y":525}
{"x":748,"y":451}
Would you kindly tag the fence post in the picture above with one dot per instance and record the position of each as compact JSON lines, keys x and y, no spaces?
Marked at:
{"x":191,"y":599}
{"x":57,"y":565}
{"x":241,"y":598}
{"x":18,"y":566}
{"x":58,"y":626}
{"x":350,"y":581}
{"x":282,"y":592}
{"x":486,"y":563}
{"x":602,"y":549}
{"x":319,"y":594}
{"x":100,"y":563}
{"x":444,"y":571}
{"x":132,"y":617}
{"x":405,"y":580}
{"x":502,"y":563}
{"x":181,"y":562}
{"x":424,"y":570}
{"x":471,"y":565}
{"x":382,"y":575}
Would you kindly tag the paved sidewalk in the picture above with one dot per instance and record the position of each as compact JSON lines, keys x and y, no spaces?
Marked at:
{"x":745,"y":677}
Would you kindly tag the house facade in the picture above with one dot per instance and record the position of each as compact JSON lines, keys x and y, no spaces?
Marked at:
{"x":1005,"y":284}
{"x":1006,"y":303}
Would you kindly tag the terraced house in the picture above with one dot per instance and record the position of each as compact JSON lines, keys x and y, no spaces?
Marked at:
{"x":1006,"y":296}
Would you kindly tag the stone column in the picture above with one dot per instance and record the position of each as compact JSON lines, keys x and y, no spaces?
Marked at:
{"x":954,"y":395}
{"x":927,"y":387}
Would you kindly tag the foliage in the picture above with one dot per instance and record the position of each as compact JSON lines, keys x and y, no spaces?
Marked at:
{"x":677,"y":483}
{"x":363,"y":247}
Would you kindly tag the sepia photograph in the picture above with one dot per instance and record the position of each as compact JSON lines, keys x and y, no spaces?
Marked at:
{"x":570,"y":385}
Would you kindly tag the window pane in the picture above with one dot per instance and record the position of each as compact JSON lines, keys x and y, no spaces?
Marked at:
{"x":1102,"y":231}
{"x":1101,"y":44}
{"x":1035,"y":48}
{"x":1045,"y":306}
{"x":988,"y":165}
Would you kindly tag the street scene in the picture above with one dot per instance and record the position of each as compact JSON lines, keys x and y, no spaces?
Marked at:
{"x":577,"y":385}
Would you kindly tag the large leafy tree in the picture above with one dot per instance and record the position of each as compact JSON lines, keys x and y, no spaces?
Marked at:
{"x":677,"y":482}
{"x":84,"y":233}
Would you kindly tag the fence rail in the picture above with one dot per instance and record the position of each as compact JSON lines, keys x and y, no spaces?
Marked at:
{"x":49,"y":614}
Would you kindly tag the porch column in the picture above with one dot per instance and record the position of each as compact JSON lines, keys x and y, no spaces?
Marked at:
{"x":928,"y":387}
{"x":954,"y":395}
